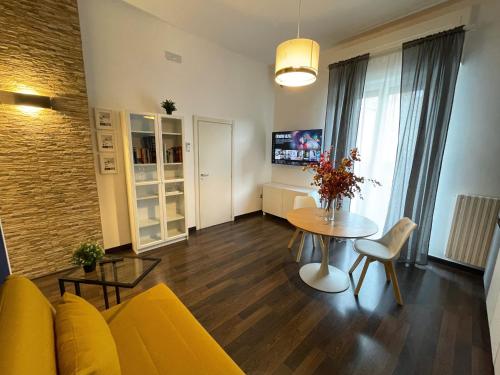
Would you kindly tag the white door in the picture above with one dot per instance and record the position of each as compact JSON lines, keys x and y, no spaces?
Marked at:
{"x":214,"y":172}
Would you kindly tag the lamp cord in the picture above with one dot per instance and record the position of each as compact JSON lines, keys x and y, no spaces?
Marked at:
{"x":298,"y":21}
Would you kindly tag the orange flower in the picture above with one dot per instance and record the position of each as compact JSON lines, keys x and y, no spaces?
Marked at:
{"x":336,"y":179}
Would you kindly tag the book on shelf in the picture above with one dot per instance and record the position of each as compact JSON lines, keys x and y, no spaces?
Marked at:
{"x":173,"y":155}
{"x":146,"y":154}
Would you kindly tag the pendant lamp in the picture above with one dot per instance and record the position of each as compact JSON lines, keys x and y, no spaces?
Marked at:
{"x":297,"y":60}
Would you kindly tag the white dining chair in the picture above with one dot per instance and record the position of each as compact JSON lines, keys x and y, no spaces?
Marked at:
{"x":302,"y":202}
{"x":384,"y":250}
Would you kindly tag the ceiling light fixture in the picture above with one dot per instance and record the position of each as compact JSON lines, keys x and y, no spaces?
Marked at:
{"x":297,"y":60}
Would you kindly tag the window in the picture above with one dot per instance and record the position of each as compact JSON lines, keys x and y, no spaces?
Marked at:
{"x":377,"y":138}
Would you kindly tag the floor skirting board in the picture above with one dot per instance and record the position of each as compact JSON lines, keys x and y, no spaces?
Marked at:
{"x":456,"y":265}
{"x":116,"y":249}
{"x":249,"y":214}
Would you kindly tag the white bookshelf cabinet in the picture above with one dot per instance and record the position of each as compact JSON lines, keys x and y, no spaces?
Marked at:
{"x":154,"y":160}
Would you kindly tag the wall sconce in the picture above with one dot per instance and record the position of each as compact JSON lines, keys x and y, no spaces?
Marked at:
{"x":29,"y":100}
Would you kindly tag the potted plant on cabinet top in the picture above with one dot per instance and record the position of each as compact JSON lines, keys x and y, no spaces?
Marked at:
{"x":169,"y":106}
{"x":87,"y":255}
{"x":336,"y":180}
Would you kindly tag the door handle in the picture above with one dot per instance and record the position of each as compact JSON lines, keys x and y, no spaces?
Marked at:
{"x":204,"y":174}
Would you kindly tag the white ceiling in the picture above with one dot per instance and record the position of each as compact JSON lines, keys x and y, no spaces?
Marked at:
{"x":255,"y":27}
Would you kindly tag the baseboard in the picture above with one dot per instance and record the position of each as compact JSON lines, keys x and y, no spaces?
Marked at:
{"x":238,"y":217}
{"x":459,"y":266}
{"x":117,"y":249}
{"x":249,"y":214}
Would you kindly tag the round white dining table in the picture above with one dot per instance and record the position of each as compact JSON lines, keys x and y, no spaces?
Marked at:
{"x":322,"y":276}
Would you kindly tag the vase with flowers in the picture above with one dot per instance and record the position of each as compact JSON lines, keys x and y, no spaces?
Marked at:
{"x":336,"y":180}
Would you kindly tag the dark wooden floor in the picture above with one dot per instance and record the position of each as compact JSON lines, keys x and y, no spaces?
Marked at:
{"x":242,"y":284}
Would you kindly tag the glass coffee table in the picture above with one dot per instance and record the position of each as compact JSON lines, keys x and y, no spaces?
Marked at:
{"x":111,"y":271}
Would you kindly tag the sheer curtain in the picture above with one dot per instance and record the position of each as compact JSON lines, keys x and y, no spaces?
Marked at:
{"x":429,"y":74}
{"x":377,"y":138}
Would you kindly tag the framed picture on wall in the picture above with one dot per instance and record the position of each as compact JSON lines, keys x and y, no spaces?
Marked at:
{"x":108,"y":163}
{"x":103,"y":119}
{"x":106,"y":141}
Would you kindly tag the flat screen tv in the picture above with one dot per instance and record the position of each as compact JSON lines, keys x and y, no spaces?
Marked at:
{"x":297,"y":147}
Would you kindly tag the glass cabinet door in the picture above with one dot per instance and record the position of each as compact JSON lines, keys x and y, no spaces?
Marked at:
{"x":175,"y":210}
{"x":143,"y":136}
{"x":148,"y":213}
{"x":171,"y":134}
{"x":173,"y":172}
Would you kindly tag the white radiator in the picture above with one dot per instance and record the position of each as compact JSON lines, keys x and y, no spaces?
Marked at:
{"x":472,"y":229}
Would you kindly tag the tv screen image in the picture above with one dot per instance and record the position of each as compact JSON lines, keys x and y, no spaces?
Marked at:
{"x":298,"y":147}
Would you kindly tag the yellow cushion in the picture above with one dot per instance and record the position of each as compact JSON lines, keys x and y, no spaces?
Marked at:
{"x":156,"y":334}
{"x":26,"y":329}
{"x":84,"y":342}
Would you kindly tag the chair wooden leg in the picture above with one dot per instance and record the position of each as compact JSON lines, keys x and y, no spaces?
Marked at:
{"x":294,"y":237}
{"x":387,"y":272}
{"x":395,"y":285}
{"x":301,"y":247}
{"x":356,"y":263}
{"x":362,"y":277}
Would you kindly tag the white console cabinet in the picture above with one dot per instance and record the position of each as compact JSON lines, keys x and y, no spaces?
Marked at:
{"x":278,"y":199}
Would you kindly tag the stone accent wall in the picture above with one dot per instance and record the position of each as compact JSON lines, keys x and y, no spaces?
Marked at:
{"x":48,"y":193}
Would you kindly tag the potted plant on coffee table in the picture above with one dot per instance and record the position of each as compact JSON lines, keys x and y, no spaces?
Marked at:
{"x":87,"y":255}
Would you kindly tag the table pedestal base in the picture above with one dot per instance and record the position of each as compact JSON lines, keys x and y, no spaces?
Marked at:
{"x":333,"y":281}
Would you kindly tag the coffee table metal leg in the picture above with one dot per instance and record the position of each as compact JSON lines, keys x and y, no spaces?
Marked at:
{"x":117,"y":292}
{"x":105,"y":292}
{"x":62,"y":289}
{"x":117,"y":289}
{"x":77,"y":289}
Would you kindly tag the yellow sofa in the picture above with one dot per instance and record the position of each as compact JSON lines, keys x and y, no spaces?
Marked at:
{"x":154,"y":334}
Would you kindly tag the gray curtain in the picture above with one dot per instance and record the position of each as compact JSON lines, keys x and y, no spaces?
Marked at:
{"x":428,"y":77}
{"x":345,"y":93}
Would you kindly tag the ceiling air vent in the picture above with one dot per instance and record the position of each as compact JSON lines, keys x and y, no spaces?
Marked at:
{"x":170,"y":56}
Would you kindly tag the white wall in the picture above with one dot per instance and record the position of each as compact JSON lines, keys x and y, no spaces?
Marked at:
{"x":493,"y":300}
{"x":295,"y":109}
{"x":472,"y":152}
{"x":126,"y":70}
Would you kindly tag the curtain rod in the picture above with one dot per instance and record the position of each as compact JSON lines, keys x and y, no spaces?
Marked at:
{"x":397,"y":45}
{"x":456,"y":30}
{"x":357,"y":58}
